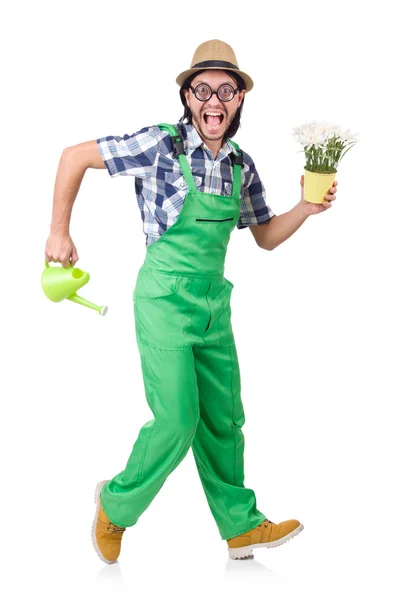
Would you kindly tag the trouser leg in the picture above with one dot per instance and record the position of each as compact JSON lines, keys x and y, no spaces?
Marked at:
{"x":171,"y":392}
{"x":218,"y":445}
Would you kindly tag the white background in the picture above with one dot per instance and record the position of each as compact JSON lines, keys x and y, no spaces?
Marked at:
{"x":314,"y":320}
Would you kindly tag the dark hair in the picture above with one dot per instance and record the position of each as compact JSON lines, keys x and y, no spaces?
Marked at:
{"x":235,"y":124}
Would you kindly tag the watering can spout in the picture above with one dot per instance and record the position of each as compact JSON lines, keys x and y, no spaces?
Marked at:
{"x":62,"y":283}
{"x":76,"y":298}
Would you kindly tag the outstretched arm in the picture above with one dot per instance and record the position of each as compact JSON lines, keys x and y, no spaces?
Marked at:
{"x":280,"y":227}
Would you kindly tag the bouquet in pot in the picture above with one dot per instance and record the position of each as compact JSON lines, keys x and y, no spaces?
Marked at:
{"x":324,"y":145}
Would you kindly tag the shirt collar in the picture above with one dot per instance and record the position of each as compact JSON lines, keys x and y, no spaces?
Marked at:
{"x":193,"y":141}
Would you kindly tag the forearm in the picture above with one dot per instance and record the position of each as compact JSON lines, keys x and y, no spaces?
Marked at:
{"x":281,"y":227}
{"x":67,"y":184}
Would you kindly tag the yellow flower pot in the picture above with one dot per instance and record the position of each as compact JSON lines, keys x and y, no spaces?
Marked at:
{"x":317,"y":185}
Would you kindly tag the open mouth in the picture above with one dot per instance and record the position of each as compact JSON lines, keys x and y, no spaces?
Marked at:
{"x":213,"y":120}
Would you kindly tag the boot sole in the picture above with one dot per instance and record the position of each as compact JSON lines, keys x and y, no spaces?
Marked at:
{"x":98,"y":490}
{"x":246,"y":551}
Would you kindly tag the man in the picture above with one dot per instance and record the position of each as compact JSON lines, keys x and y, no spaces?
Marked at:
{"x":194,"y":185}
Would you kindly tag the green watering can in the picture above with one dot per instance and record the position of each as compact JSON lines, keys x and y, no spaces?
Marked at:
{"x":59,"y":283}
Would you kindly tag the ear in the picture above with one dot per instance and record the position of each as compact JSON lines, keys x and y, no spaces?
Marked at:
{"x":186,"y":94}
{"x":241,"y":94}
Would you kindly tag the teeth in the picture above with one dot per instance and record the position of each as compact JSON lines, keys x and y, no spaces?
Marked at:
{"x":213,"y":114}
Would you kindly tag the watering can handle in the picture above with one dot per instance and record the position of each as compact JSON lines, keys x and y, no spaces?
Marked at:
{"x":68,"y":267}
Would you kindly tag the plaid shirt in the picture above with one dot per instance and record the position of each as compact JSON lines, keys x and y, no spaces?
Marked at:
{"x":159,"y":183}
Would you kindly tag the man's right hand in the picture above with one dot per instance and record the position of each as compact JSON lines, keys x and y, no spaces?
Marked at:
{"x":60,"y":248}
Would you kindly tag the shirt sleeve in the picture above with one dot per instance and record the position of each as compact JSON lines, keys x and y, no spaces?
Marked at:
{"x":133,"y":154}
{"x":254,"y":209}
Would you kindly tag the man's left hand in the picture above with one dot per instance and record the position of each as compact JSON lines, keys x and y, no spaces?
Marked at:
{"x":309,"y":208}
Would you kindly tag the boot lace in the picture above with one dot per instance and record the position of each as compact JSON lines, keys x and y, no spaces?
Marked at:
{"x":266,"y":523}
{"x":114,"y":528}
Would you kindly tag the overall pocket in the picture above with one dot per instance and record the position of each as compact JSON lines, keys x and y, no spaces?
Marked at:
{"x":215,"y":220}
{"x":155,"y":284}
{"x":157,"y":308}
{"x":229,"y":283}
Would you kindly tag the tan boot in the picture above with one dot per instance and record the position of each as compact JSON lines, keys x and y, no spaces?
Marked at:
{"x":265,"y":535}
{"x":106,"y":536}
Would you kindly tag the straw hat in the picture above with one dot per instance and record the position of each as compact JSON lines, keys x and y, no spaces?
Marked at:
{"x":215,"y":54}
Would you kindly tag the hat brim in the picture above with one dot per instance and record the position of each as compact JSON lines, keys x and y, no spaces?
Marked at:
{"x":185,"y":74}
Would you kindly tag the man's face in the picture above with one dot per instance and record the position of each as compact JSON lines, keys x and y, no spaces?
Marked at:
{"x":213,"y":127}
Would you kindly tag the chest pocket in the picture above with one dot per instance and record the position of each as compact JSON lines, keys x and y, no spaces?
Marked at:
{"x":177,"y":182}
{"x":227,"y":188}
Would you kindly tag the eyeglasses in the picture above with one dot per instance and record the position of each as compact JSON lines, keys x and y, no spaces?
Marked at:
{"x":203,"y":92}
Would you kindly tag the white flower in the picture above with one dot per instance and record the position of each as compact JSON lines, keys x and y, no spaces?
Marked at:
{"x":330,"y":128}
{"x":312,"y":134}
{"x":348,"y":136}
{"x":317,"y":133}
{"x":309,"y":134}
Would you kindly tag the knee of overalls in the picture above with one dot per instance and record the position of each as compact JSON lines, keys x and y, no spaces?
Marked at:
{"x":176,"y":429}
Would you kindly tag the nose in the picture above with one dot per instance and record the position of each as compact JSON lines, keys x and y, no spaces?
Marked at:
{"x":220,"y":107}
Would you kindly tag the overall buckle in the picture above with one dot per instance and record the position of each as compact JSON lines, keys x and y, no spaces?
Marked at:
{"x":237,"y":160}
{"x":178,"y":145}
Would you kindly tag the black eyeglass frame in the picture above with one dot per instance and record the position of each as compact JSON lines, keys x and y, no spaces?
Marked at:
{"x":212,"y":92}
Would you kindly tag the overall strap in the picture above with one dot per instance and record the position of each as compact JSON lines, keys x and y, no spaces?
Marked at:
{"x":237,"y":169}
{"x":177,"y":142}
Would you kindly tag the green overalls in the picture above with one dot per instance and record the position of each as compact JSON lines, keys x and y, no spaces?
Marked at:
{"x":189,"y":364}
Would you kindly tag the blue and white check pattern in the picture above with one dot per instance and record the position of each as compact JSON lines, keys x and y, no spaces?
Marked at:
{"x":159,"y":183}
